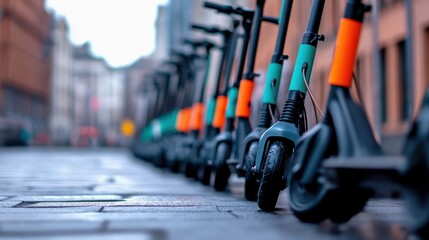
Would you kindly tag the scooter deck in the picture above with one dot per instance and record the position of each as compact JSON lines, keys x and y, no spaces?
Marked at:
{"x":382,"y":174}
{"x":366,"y":163}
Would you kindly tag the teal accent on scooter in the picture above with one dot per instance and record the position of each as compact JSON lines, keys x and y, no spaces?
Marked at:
{"x":211,"y":108}
{"x":168,"y":122}
{"x":306,"y":54}
{"x":172,"y":121}
{"x":232,"y":102}
{"x":146,"y":134}
{"x":272,"y":83}
{"x":281,"y":12}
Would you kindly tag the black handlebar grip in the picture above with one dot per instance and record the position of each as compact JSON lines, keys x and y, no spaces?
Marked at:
{"x":198,"y":26}
{"x":206,"y":29}
{"x":218,"y":7}
{"x":270,"y":19}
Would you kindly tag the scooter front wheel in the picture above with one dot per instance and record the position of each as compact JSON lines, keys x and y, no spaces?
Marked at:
{"x":221,"y":171}
{"x":309,"y":194}
{"x":272,"y":181}
{"x":204,"y":170}
{"x":308,"y":203}
{"x":251,"y":185}
{"x":190,"y":166}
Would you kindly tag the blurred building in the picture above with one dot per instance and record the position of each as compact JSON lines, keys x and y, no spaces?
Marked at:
{"x":172,"y":25}
{"x":137,"y":99}
{"x":391,"y":96}
{"x":25,"y":64}
{"x":98,"y":93}
{"x":162,"y":33}
{"x":61,"y":85}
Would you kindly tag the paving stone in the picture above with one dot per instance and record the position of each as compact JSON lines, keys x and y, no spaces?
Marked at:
{"x":8,"y":203}
{"x":230,"y":229}
{"x":71,"y":198}
{"x":106,"y":194}
{"x":150,"y":190}
{"x":78,"y":204}
{"x":49,"y":210}
{"x":162,"y":209}
{"x":103,"y":236}
{"x":151,"y":201}
{"x":50,"y":226}
{"x":16,"y":217}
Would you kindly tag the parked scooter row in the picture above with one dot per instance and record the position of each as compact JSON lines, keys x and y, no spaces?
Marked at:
{"x":330,"y":170}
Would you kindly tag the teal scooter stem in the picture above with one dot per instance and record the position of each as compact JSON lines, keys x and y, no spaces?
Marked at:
{"x":276,"y":145}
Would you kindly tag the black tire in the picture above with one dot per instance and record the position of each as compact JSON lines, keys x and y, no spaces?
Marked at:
{"x":221,"y":169}
{"x":204,"y":170}
{"x":174,"y":164}
{"x":310,"y":203}
{"x":346,"y":203}
{"x":272,"y":176}
{"x":206,"y":174}
{"x":190,"y":170}
{"x":251,"y":184}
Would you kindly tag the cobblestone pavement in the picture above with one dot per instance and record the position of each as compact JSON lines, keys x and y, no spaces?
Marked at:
{"x":107,"y":194}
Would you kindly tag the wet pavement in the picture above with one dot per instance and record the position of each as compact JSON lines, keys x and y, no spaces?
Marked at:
{"x":107,"y":194}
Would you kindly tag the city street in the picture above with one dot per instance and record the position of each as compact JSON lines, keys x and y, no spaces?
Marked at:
{"x":107,"y":194}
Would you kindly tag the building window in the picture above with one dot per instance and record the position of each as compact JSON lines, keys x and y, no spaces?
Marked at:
{"x":387,"y":3}
{"x":383,"y":85}
{"x":427,"y":56}
{"x":336,"y":14}
{"x":404,"y":82}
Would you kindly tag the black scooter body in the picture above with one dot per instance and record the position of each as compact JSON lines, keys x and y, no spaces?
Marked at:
{"x":342,"y":153}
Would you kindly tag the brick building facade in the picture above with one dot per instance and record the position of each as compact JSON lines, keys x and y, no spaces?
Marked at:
{"x":25,"y":62}
{"x":385,"y":94}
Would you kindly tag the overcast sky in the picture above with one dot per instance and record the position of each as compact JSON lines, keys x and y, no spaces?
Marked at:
{"x":120,"y":31}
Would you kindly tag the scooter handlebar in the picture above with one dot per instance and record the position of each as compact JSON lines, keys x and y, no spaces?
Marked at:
{"x":191,"y":42}
{"x":219,"y":7}
{"x":270,"y":19}
{"x":205,"y":28}
{"x":228,"y":9}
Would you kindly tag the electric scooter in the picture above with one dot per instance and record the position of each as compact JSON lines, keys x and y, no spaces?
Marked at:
{"x":339,"y":165}
{"x":202,"y":150}
{"x":222,"y":146}
{"x":143,"y":146}
{"x":209,"y":130}
{"x":276,"y":144}
{"x":217,"y":122}
{"x":269,"y":99}
{"x":183,"y":98}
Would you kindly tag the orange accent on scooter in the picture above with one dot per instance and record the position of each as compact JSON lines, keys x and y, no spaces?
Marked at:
{"x":244,"y":98}
{"x":345,"y":53}
{"x":197,"y":116}
{"x":182,"y":123}
{"x":187,"y":120}
{"x":219,"y":117}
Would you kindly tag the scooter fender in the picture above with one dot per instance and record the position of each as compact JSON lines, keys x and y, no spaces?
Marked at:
{"x":253,"y":136}
{"x":280,"y":130}
{"x":223,"y":137}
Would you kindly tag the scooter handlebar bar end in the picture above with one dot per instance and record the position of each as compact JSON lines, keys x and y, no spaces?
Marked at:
{"x":218,"y":7}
